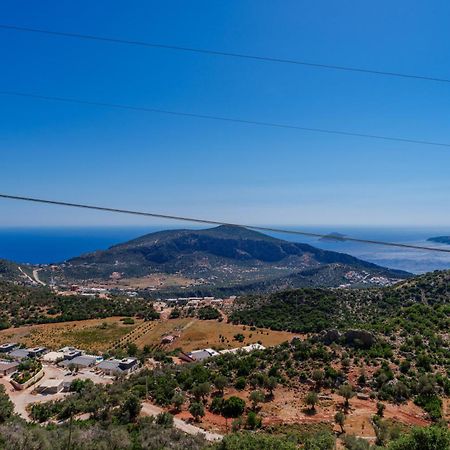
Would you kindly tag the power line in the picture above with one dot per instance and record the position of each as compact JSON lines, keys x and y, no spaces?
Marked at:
{"x":223,"y":53}
{"x":221,"y":118}
{"x":215,"y":222}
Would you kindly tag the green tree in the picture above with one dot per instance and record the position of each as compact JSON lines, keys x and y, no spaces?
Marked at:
{"x":178,"y":400}
{"x":311,"y":400}
{"x":132,"y":349}
{"x":220,"y":382}
{"x":130,"y":409}
{"x":200,"y":391}
{"x":240,"y":383}
{"x":380,"y":409}
{"x":256,"y":397}
{"x":346,"y":391}
{"x":381,"y":430}
{"x":430,"y":438}
{"x":318,"y":377}
{"x":6,"y":406}
{"x":339,"y":418}
{"x":253,"y":421}
{"x":197,"y":411}
{"x":164,"y":419}
{"x":233,"y":407}
{"x":270,"y":384}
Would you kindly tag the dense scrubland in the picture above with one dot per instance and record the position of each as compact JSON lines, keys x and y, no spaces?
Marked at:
{"x":21,"y":305}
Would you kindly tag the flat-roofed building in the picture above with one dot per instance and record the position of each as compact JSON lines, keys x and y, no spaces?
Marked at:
{"x":8,"y":347}
{"x":36,"y":352}
{"x":50,"y":387}
{"x":81,"y":362}
{"x":20,"y":353}
{"x":8,"y":367}
{"x":117,"y":367}
{"x":247,"y":349}
{"x":201,"y":355}
{"x":70,"y":352}
{"x":53,"y":357}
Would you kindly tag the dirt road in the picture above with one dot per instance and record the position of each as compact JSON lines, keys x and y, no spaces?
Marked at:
{"x":149,"y":409}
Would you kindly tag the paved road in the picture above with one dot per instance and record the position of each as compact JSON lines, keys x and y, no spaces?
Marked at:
{"x":149,"y":409}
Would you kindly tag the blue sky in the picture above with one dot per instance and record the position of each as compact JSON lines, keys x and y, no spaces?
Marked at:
{"x":217,"y":170}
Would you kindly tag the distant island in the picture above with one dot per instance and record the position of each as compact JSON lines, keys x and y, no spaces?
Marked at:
{"x":440,"y":239}
{"x":333,"y":237}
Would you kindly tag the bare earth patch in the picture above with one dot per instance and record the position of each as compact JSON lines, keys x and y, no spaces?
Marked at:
{"x":194,"y":334}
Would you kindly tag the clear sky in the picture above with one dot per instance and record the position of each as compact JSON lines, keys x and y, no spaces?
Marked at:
{"x":217,"y":170}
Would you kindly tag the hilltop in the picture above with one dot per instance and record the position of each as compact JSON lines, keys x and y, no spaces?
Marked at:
{"x":222,"y":257}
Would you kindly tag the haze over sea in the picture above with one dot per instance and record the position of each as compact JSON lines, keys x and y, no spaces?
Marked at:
{"x":49,"y":245}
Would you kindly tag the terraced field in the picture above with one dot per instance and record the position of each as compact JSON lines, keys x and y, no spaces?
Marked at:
{"x":94,"y":335}
{"x":193,"y":334}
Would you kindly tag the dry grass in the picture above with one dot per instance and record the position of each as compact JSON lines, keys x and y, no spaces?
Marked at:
{"x":95,"y":335}
{"x":194,"y":334}
{"x":157,"y":281}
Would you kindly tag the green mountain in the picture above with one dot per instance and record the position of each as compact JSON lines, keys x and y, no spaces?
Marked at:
{"x":222,"y":257}
{"x":440,"y":239}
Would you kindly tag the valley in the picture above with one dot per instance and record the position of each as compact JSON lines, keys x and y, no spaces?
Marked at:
{"x":357,"y":363}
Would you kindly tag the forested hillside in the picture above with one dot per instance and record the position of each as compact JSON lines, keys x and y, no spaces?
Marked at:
{"x":21,"y":305}
{"x":313,"y":310}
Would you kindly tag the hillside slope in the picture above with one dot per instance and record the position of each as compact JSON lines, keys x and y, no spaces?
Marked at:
{"x":10,"y":271}
{"x":24,"y":305}
{"x":219,"y":257}
{"x":314,"y":310}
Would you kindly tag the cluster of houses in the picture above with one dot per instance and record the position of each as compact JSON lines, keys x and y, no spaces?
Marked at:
{"x":68,"y":358}
{"x":201,"y":355}
{"x":197,"y":301}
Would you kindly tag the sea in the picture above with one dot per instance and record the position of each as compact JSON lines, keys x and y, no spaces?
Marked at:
{"x":52,"y":245}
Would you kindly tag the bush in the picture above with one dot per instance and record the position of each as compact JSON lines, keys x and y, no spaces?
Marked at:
{"x":250,"y":441}
{"x":197,"y":410}
{"x":320,"y":441}
{"x":253,"y":421}
{"x":208,"y":313}
{"x":354,"y":443}
{"x":432,"y":404}
{"x":216,"y":405}
{"x":128,"y":321}
{"x":165,"y":419}
{"x":431,"y":438}
{"x":233,"y":407}
{"x":6,"y":406}
{"x":240,"y":383}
